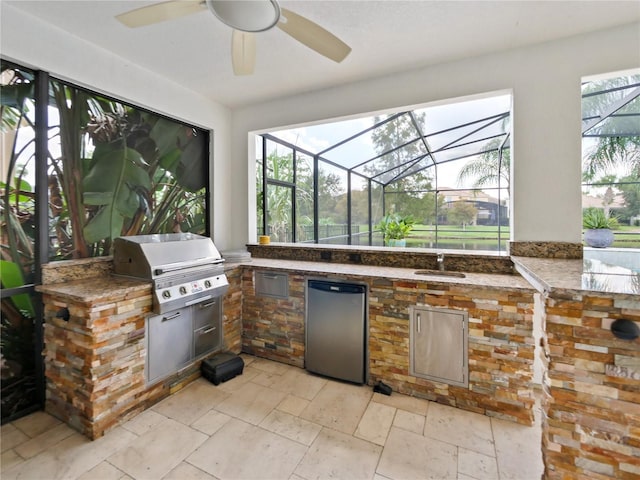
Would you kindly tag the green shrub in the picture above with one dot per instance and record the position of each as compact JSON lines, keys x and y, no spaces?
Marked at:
{"x":394,"y":226}
{"x":595,"y":218}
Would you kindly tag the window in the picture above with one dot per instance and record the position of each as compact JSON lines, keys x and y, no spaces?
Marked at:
{"x":22,"y":378}
{"x":115,"y":169}
{"x":79,"y":169}
{"x":444,"y":169}
{"x":611,"y":154}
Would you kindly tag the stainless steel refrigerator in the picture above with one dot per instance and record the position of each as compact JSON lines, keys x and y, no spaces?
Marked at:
{"x":336,"y":330}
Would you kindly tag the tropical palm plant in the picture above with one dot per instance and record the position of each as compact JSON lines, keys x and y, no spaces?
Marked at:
{"x":112,"y":170}
{"x":610,"y":154}
{"x":489,"y":169}
{"x":618,"y":141}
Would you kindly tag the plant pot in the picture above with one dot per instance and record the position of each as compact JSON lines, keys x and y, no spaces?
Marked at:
{"x":598,"y":237}
{"x":397,"y":242}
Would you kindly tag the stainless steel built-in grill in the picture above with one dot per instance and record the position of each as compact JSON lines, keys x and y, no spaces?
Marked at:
{"x":188,"y":279}
{"x":185,"y":268}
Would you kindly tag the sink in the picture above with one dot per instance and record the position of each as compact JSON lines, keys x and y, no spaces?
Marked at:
{"x":442,"y":273}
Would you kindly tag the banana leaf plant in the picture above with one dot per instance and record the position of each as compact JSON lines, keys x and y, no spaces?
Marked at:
{"x":125,"y":172}
{"x":17,"y":201}
{"x":113,"y":170}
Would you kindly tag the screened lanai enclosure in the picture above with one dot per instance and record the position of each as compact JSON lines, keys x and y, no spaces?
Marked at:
{"x":436,"y":176}
{"x":417,"y":178}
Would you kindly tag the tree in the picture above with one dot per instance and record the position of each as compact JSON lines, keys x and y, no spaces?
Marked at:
{"x":630,"y":188}
{"x":330,"y":190}
{"x":618,"y":141}
{"x":461,"y":213}
{"x":408,"y":195}
{"x":490,"y":169}
{"x":279,"y":197}
{"x":613,"y":160}
{"x":279,"y":200}
{"x":610,"y":155}
{"x":359,"y":206}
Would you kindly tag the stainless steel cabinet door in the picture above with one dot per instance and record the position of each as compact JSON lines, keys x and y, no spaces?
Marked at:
{"x":207,"y":326}
{"x":439,"y":345}
{"x":169,"y":343}
{"x":272,"y":284}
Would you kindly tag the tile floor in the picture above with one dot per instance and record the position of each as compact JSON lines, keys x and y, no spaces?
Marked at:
{"x":278,"y":422}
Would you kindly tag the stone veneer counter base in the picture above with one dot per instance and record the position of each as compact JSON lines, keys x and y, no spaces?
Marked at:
{"x":501,"y":343}
{"x":591,"y":426}
{"x":94,"y":351}
{"x":94,"y":345}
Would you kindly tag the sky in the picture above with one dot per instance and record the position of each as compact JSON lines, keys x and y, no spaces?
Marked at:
{"x":441,"y":116}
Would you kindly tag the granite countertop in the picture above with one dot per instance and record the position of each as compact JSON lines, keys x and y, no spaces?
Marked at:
{"x":581,"y":275}
{"x":515,"y":282}
{"x":95,"y":289}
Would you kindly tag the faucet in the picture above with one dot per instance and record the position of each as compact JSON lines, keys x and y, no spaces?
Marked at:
{"x":440,"y":261}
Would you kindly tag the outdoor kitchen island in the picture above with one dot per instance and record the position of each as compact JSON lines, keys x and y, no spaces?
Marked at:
{"x":94,"y":346}
{"x":501,"y":344}
{"x":94,"y":351}
{"x":94,"y":361}
{"x":591,"y":385}
{"x":131,"y":329}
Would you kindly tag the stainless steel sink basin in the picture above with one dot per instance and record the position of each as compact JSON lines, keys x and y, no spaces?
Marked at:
{"x":441,"y":273}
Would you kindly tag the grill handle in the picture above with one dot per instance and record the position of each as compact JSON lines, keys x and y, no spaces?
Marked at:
{"x":208,"y":304}
{"x":171,"y":317}
{"x":183,"y":265}
{"x":208,"y":330}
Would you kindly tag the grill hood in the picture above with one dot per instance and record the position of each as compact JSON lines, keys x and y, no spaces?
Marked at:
{"x":152,"y":256}
{"x":185,"y":268}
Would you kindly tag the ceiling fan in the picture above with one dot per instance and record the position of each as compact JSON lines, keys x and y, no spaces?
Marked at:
{"x":246,"y":17}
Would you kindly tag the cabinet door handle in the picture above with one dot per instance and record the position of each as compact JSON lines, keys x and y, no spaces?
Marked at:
{"x":171,"y":317}
{"x":418,"y":322}
{"x":206,"y":305}
{"x":208,"y":330}
{"x":197,"y":300}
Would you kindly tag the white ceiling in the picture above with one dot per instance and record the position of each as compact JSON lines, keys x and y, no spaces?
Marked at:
{"x":386,"y":36}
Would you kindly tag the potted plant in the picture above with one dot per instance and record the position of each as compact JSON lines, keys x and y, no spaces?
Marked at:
{"x":395,"y":228}
{"x":598,"y":226}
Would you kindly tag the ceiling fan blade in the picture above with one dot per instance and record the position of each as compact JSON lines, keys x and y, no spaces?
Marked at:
{"x":243,"y":52}
{"x":313,"y":35}
{"x":160,"y":12}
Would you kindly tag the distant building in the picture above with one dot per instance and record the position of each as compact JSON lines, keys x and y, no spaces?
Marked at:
{"x":489,"y":208}
{"x":616,"y":202}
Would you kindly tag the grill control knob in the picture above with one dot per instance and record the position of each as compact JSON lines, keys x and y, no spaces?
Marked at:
{"x":207,"y":284}
{"x":183,"y":290}
{"x":166,"y":294}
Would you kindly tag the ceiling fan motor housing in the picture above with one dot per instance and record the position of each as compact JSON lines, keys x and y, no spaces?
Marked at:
{"x":247,"y":15}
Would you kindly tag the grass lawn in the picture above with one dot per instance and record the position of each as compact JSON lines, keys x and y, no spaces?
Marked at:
{"x":483,"y":237}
